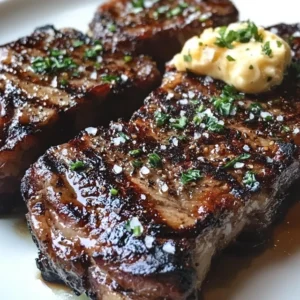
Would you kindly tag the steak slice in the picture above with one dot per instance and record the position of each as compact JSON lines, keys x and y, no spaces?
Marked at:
{"x":138,"y":210}
{"x":54,"y":83}
{"x":158,"y":28}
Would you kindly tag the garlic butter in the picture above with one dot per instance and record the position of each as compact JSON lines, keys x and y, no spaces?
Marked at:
{"x":250,"y":58}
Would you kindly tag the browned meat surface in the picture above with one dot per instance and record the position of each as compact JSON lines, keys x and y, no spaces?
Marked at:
{"x":137,"y":211}
{"x":158,"y":28}
{"x":54,"y":83}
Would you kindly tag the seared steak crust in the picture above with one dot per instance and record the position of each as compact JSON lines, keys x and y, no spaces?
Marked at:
{"x":54,"y":83}
{"x":158,"y":196}
{"x":157,"y":28}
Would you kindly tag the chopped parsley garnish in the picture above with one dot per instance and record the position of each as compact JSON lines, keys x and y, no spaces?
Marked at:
{"x":180,"y":123}
{"x":251,"y":67}
{"x":63,"y":82}
{"x":241,"y":157}
{"x":127,"y":58}
{"x":138,"y":3}
{"x":250,"y":181}
{"x":97,"y":66}
{"x":204,"y":18}
{"x":190,"y":176}
{"x":279,"y":44}
{"x":134,"y":226}
{"x":286,"y":129}
{"x":56,"y":61}
{"x":255,"y":108}
{"x":77,"y":166}
{"x":137,"y":163}
{"x":213,"y":124}
{"x":93,"y":52}
{"x":77,"y":43}
{"x":124,"y":136}
{"x":187,"y":58}
{"x":109,"y":78}
{"x":160,"y":118}
{"x":225,"y":102}
{"x":112,"y":27}
{"x":175,"y":11}
{"x":230,"y":58}
{"x":114,"y":192}
{"x":135,"y":152}
{"x":226,"y":38}
{"x":266,"y":49}
{"x":154,"y":160}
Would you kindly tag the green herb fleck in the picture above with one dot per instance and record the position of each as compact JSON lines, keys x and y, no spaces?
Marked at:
{"x":77,"y":43}
{"x":279,"y":44}
{"x":250,"y":181}
{"x":255,"y":108}
{"x":93,"y":52}
{"x":138,"y":3}
{"x":77,"y":166}
{"x":190,"y":176}
{"x":180,"y":123}
{"x":187,"y":58}
{"x":124,"y":136}
{"x":225,"y":102}
{"x":226,"y":38}
{"x":114,"y":192}
{"x":154,"y":160}
{"x":134,"y":226}
{"x":241,"y":157}
{"x":266,"y":49}
{"x":286,"y":129}
{"x":230,"y":58}
{"x":137,"y":163}
{"x":135,"y":152}
{"x":112,"y":27}
{"x":109,"y":78}
{"x":127,"y":58}
{"x":63,"y":82}
{"x":251,"y":67}
{"x":160,"y":118}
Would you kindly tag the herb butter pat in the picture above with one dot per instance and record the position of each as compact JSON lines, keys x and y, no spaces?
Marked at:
{"x":248,"y":57}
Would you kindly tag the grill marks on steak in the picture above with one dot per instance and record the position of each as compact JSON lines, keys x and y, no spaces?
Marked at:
{"x":85,"y":232}
{"x":158,"y":28}
{"x":42,"y":107}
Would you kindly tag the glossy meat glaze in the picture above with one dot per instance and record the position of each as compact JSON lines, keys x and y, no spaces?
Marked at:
{"x":158,"y":28}
{"x":54,"y":83}
{"x":148,"y":197}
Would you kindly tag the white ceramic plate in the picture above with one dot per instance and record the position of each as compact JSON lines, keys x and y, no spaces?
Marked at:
{"x":271,"y":274}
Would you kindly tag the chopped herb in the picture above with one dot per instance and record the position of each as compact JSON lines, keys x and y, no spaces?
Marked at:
{"x":138,"y":3}
{"x":241,"y":157}
{"x":190,"y":175}
{"x":286,"y":129}
{"x":230,"y":58}
{"x":226,"y":38}
{"x":255,"y":108}
{"x":154,"y":160}
{"x":63,"y":82}
{"x":127,"y":58}
{"x":180,"y":123}
{"x":134,"y":226}
{"x":250,"y":181}
{"x":57,"y":61}
{"x":135,"y":152}
{"x":93,"y":52}
{"x":109,"y":78}
{"x":112,"y":27}
{"x":176,"y":11}
{"x":77,"y":43}
{"x":161,"y":118}
{"x":137,"y":163}
{"x":213,"y":124}
{"x":77,"y":165}
{"x":200,"y":44}
{"x":225,"y":102}
{"x":97,"y":66}
{"x":162,"y":9}
{"x":251,"y":67}
{"x":124,"y":136}
{"x":114,"y":192}
{"x":204,"y":17}
{"x":266,"y":49}
{"x":187,"y":58}
{"x":279,"y":44}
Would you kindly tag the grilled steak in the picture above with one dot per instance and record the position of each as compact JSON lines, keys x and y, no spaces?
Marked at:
{"x":54,"y":83}
{"x":157,"y":28}
{"x":137,"y":211}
